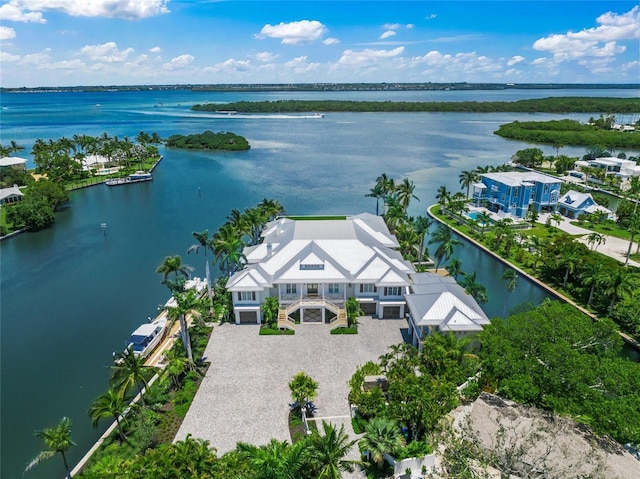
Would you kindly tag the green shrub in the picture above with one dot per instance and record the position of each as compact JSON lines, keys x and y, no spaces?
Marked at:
{"x":348,"y":330}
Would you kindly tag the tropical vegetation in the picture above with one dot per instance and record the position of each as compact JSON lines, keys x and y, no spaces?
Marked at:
{"x":208,"y":140}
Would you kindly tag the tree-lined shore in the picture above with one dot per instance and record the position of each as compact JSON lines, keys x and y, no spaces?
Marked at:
{"x":537,"y":105}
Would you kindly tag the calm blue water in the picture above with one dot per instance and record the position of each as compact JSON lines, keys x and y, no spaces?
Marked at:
{"x":71,"y":295}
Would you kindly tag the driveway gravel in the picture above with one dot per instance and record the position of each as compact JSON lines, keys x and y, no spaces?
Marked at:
{"x":245,"y":394}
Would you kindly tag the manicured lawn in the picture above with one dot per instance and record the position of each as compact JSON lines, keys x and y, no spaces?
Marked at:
{"x":603,"y":229}
{"x":276,"y":332}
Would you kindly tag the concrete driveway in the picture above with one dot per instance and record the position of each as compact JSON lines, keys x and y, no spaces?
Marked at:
{"x":245,"y":394}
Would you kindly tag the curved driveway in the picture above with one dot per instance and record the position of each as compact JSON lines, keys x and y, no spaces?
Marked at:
{"x":245,"y":394}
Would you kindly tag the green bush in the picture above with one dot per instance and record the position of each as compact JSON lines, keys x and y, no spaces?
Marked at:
{"x":348,"y":330}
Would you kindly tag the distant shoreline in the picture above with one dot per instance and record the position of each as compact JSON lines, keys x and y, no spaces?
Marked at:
{"x":324,"y":87}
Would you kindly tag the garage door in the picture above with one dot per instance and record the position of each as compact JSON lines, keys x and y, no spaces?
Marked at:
{"x":391,"y":312}
{"x":369,"y":309}
{"x":248,"y":317}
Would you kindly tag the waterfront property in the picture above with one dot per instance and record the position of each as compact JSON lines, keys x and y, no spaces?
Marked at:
{"x":10,"y":195}
{"x":13,"y":162}
{"x":574,"y":204}
{"x":439,"y":304}
{"x":313,"y":265}
{"x":621,"y":168}
{"x":514,"y":192}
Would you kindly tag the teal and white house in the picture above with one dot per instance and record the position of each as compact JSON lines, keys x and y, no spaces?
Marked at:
{"x":514,"y":192}
{"x":314,"y":265}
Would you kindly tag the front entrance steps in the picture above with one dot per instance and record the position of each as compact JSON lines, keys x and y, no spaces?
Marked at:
{"x":312,"y":313}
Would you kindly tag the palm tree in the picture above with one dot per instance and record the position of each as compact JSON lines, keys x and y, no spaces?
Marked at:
{"x":255,"y":219}
{"x":596,"y":239}
{"x":58,"y":441}
{"x":634,"y":190}
{"x":443,"y":196}
{"x":387,"y":186}
{"x":303,"y":388}
{"x":511,"y":277}
{"x":421,"y":225}
{"x":228,"y":247}
{"x":557,"y":219}
{"x":207,"y":244}
{"x":591,"y":275}
{"x":483,"y":219}
{"x":454,"y":268}
{"x":618,"y":282}
{"x":532,"y":216}
{"x":381,"y":436}
{"x":271,"y":209}
{"x":467,"y":178}
{"x":569,"y":258}
{"x":129,"y":370}
{"x":394,"y":214}
{"x":172,"y":265}
{"x":446,"y":243}
{"x":276,"y":460}
{"x":474,"y":288}
{"x":377,"y":193}
{"x":404,"y":193}
{"x":328,"y":452}
{"x":111,"y":404}
{"x":187,"y":303}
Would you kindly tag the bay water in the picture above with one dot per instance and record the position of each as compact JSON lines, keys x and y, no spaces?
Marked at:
{"x":71,"y":295}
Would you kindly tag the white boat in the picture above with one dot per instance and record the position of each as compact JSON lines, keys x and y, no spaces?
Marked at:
{"x":136,"y":177}
{"x":145,"y":339}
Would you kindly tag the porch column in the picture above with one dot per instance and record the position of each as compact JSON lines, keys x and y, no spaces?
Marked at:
{"x":279,"y":293}
{"x":322,"y":298}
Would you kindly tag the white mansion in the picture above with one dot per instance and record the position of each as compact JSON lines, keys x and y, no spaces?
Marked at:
{"x":314,"y":265}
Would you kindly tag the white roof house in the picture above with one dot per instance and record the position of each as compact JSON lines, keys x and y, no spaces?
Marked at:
{"x":12,"y":161}
{"x":10,"y":195}
{"x":438,"y":303}
{"x":312,"y":262}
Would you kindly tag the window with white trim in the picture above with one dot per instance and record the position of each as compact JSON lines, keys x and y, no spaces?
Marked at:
{"x":334,"y":288}
{"x":392,"y":291}
{"x":291,"y":288}
{"x":368,"y":288}
{"x":246,"y":295}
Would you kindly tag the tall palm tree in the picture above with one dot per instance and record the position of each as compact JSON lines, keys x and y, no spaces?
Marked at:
{"x":387,"y":186}
{"x":454,"y":268}
{"x":111,"y":404}
{"x":395,"y":213}
{"x":569,"y":258}
{"x":591,"y":275}
{"x":596,"y":239}
{"x":329,"y":450}
{"x":446,"y":243}
{"x":634,"y":190}
{"x":172,"y":265}
{"x":618,"y":282}
{"x":377,"y":193}
{"x":474,"y":288}
{"x":421,"y":225}
{"x":511,"y":277}
{"x":467,"y":178}
{"x":381,"y":436}
{"x":128,"y":371}
{"x":404,"y":192}
{"x":58,"y":441}
{"x":228,"y":249}
{"x":443,"y":196}
{"x":207,"y":244}
{"x":255,"y":220}
{"x":483,"y":220}
{"x":187,"y":303}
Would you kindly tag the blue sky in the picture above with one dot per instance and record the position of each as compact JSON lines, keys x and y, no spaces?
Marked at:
{"x":125,"y":42}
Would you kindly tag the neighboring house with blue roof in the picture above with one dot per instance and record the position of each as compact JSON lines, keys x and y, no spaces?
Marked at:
{"x":574,"y":204}
{"x":514,"y":192}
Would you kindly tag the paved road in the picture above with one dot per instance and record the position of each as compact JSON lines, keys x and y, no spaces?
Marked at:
{"x":245,"y":394}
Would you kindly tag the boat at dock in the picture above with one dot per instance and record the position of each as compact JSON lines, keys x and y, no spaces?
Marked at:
{"x":147,"y":337}
{"x":137,"y":177}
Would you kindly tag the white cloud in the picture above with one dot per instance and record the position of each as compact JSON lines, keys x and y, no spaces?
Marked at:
{"x":107,"y":52}
{"x":37,"y":59}
{"x":430,"y":17}
{"x":126,"y":9}
{"x":467,"y":63}
{"x":367,"y":56}
{"x":391,"y":26}
{"x":294,"y":33}
{"x":300,"y":66}
{"x":155,"y":50}
{"x":8,"y":57}
{"x":330,"y":41}
{"x":179,"y":62}
{"x":231,"y":66}
{"x":594,"y":42}
{"x":14,"y":13}
{"x":7,"y":33}
{"x":76,"y":64}
{"x":265,"y":56}
{"x":387,"y":34}
{"x":515,"y":59}
{"x":409,"y":26}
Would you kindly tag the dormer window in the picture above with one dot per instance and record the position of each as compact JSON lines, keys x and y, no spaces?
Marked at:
{"x":311,"y":267}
